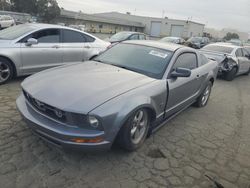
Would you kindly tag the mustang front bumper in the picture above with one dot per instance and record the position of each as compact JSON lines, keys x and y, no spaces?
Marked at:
{"x":59,"y":134}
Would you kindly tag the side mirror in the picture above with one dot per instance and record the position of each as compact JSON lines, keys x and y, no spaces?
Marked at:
{"x":31,"y":42}
{"x":180,"y":72}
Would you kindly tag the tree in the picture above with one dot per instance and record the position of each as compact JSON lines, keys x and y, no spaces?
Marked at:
{"x":46,"y":10}
{"x":4,"y":5}
{"x":230,"y":36}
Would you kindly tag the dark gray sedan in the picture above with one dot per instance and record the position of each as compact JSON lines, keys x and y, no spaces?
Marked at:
{"x":125,"y":94}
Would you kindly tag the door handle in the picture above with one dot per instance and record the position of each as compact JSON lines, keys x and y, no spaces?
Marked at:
{"x":56,"y":46}
{"x":87,"y":47}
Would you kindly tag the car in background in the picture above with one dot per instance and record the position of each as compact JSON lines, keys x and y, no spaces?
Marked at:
{"x":247,"y":47}
{"x":236,"y":42}
{"x":6,"y":21}
{"x":123,"y":95}
{"x":127,"y":35}
{"x":29,"y":48}
{"x":197,"y":42}
{"x":176,"y":40}
{"x":233,"y":60}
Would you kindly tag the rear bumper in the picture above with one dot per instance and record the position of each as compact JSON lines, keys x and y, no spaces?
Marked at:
{"x":58,"y":134}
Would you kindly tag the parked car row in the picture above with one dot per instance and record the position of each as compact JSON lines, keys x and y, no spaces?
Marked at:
{"x":29,"y":48}
{"x":6,"y":21}
{"x":121,"y":93}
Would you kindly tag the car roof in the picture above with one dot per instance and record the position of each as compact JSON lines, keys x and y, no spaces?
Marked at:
{"x":156,"y":44}
{"x":45,"y":26}
{"x":131,"y":32}
{"x":224,"y":44}
{"x":172,"y":37}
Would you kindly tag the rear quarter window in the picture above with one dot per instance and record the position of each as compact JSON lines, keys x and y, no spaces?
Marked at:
{"x":204,"y":60}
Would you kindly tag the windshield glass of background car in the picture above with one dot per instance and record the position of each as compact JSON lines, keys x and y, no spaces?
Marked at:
{"x":222,"y":49}
{"x":143,"y":59}
{"x":15,"y":32}
{"x":120,"y":36}
{"x":195,"y":39}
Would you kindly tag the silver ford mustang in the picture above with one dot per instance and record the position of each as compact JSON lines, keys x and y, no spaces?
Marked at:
{"x":123,"y":95}
{"x":29,"y":48}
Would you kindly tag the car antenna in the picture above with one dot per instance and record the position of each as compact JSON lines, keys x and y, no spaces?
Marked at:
{"x":217,"y":184}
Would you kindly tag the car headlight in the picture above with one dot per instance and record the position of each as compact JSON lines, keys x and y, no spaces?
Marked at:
{"x":93,"y":121}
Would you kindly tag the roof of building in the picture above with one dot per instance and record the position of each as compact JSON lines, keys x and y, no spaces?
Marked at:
{"x":96,"y":18}
{"x":114,"y":14}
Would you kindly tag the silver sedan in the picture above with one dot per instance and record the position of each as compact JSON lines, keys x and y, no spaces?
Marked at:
{"x":29,"y":48}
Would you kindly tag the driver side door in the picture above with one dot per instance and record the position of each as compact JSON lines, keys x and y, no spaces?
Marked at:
{"x":183,"y":90}
{"x":45,"y":54}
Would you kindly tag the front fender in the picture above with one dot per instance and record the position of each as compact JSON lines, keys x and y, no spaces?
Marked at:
{"x":116,"y":112}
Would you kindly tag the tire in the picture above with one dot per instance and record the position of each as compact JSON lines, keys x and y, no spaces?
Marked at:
{"x":132,"y":135}
{"x":229,"y":76}
{"x":204,"y":97}
{"x":6,"y":71}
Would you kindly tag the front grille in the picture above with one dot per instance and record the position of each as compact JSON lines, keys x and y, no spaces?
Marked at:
{"x":46,"y":109}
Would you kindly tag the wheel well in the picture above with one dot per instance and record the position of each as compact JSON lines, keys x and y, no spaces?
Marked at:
{"x":93,"y":57}
{"x":212,"y":80}
{"x":12,"y":64}
{"x":151,"y":113}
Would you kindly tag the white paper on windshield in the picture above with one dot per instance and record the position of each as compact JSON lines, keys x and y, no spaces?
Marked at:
{"x":158,"y":54}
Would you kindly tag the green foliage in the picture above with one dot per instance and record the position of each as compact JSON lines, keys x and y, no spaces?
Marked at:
{"x":230,"y":36}
{"x":46,"y":10}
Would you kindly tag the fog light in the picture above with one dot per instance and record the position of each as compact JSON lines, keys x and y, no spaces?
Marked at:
{"x":92,"y":140}
{"x":93,"y":121}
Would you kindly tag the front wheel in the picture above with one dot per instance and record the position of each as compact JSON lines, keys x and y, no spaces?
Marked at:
{"x":6,"y":71}
{"x":204,"y":97}
{"x":134,"y":132}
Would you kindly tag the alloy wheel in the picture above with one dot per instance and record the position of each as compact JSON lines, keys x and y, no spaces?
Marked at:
{"x":206,"y":95}
{"x":139,"y":126}
{"x":4,"y":72}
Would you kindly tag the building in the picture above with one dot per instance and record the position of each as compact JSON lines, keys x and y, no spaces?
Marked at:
{"x":159,"y":27}
{"x":98,"y":24}
{"x":113,"y":22}
{"x":18,"y":16}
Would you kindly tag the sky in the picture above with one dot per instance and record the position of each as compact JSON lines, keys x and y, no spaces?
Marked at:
{"x":216,"y":14}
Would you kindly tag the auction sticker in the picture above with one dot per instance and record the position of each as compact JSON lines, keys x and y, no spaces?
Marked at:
{"x":158,"y":54}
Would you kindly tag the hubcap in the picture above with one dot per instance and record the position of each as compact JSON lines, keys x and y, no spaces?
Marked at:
{"x":4,"y":72}
{"x":205,"y":95}
{"x":139,"y":126}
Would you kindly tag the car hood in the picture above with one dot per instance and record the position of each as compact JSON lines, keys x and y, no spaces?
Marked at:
{"x":82,"y":87}
{"x":5,"y":43}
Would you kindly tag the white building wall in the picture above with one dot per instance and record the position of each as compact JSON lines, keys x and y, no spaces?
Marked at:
{"x":189,"y":28}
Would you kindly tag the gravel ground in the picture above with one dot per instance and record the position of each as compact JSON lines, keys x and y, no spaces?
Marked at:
{"x":214,"y":140}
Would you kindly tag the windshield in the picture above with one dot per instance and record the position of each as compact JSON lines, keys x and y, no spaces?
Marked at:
{"x":216,"y":48}
{"x":120,"y":36}
{"x":15,"y":32}
{"x":195,"y":39}
{"x":146,"y":60}
{"x":167,"y":39}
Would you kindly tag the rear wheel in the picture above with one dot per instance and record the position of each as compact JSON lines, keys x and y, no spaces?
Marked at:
{"x":6,"y":71}
{"x":134,"y":132}
{"x":204,"y":97}
{"x":229,"y":76}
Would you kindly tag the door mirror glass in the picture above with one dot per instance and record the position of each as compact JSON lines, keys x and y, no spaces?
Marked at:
{"x":31,"y":42}
{"x":181,"y":72}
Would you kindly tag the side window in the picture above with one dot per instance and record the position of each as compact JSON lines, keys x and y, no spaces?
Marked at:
{"x":142,"y":37}
{"x":73,"y":37}
{"x":245,"y":53}
{"x":186,"y":60}
{"x":88,"y":38}
{"x":239,"y":53}
{"x":134,"y":37}
{"x":45,"y":36}
{"x":204,"y":59}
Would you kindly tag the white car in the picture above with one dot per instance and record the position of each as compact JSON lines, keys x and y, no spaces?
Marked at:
{"x":6,"y":21}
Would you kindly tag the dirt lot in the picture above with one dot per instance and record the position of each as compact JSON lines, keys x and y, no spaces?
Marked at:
{"x":214,"y":140}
